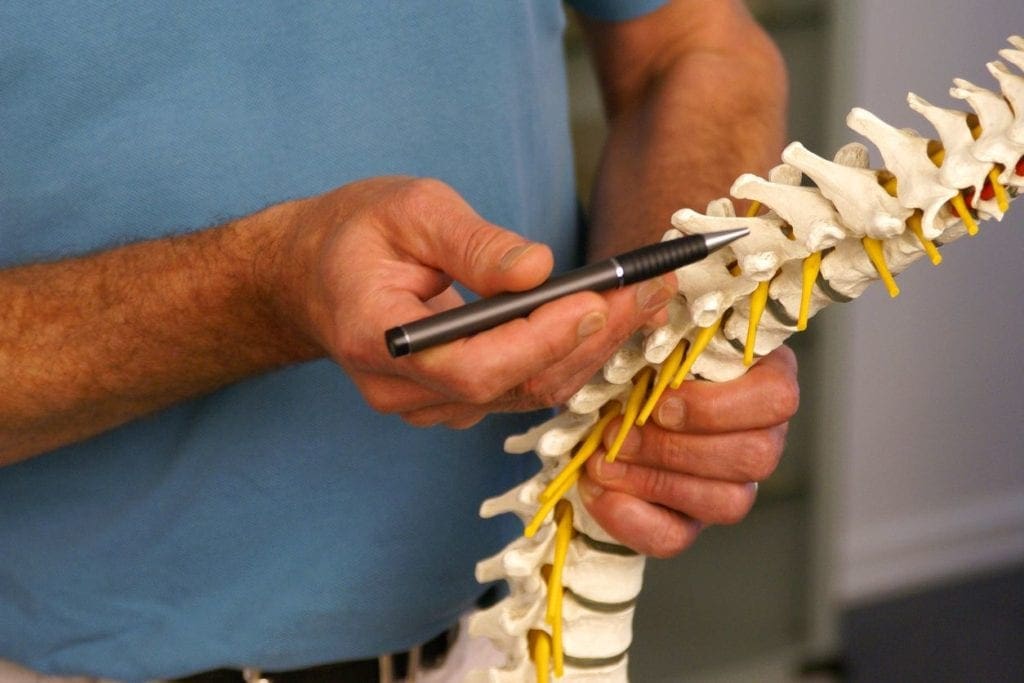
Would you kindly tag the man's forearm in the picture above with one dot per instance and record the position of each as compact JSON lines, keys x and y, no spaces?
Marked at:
{"x":89,"y":343}
{"x":710,"y":106}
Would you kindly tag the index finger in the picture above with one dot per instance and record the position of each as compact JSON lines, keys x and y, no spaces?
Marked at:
{"x":767,"y":395}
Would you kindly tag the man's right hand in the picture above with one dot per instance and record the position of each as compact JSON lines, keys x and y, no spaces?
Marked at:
{"x":89,"y":343}
{"x":385,"y":251}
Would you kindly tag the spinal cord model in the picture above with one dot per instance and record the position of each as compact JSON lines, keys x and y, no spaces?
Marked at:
{"x":572,"y":586}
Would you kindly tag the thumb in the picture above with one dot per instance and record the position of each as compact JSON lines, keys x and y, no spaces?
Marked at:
{"x":480,"y":255}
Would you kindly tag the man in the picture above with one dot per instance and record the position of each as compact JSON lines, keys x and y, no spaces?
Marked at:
{"x":212,"y":460}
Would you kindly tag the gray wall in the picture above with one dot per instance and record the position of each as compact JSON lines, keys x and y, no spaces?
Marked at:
{"x":926,"y":425}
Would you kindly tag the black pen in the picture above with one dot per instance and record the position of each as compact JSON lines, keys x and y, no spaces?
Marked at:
{"x":625,"y":269}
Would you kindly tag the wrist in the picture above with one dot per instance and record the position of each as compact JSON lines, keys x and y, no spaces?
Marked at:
{"x":273,"y":256}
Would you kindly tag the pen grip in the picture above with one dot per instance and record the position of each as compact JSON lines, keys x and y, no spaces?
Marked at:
{"x":663,"y":257}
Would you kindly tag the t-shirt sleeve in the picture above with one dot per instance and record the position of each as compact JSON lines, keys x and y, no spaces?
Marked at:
{"x":616,"y":10}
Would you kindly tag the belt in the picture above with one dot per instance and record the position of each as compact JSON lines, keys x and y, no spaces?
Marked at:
{"x":384,"y":669}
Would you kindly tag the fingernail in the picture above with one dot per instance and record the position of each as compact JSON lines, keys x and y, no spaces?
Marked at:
{"x":653,"y":294}
{"x":610,"y":471}
{"x":513,"y":255}
{"x":589,"y":491}
{"x":672,"y":413}
{"x":590,"y":323}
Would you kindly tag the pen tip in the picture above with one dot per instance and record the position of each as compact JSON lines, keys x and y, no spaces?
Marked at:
{"x":717,"y":240}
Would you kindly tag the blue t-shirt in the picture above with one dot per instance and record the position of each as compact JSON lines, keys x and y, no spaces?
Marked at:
{"x":278,"y":522}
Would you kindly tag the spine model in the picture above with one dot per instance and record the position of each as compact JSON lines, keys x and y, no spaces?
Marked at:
{"x":573,"y":587}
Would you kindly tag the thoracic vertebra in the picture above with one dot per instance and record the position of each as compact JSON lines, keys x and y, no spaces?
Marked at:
{"x":813,"y":246}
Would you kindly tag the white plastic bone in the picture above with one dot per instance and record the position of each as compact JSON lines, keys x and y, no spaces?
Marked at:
{"x":662,"y":341}
{"x":519,"y":560}
{"x":865,"y":207}
{"x":1012,"y":86}
{"x":555,"y":436}
{"x":1015,"y":57}
{"x":594,"y":394}
{"x":771,"y":332}
{"x":507,"y":624}
{"x":996,"y":119}
{"x":960,"y":168}
{"x":814,"y":220}
{"x":626,"y":362}
{"x":786,"y":289}
{"x":594,"y":631}
{"x":712,"y":288}
{"x":759,"y":254}
{"x":599,"y":575}
{"x":615,"y":672}
{"x":520,"y":501}
{"x":906,"y":156}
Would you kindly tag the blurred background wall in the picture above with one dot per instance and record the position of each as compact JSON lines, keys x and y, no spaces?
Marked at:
{"x":932,"y":478}
{"x":890,"y":543}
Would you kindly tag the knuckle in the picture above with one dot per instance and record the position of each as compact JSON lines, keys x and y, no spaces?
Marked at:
{"x":473,"y":391}
{"x":414,"y":198}
{"x":555,"y":395}
{"x":763,"y":455}
{"x":737,"y":501}
{"x":761,"y":467}
{"x":538,"y":393}
{"x":428,"y":190}
{"x":379,"y":403}
{"x":562,"y":394}
{"x":654,"y":483}
{"x":668,"y":451}
{"x":481,"y":244}
{"x":670,"y":538}
{"x":516,"y":399}
{"x":786,"y":398}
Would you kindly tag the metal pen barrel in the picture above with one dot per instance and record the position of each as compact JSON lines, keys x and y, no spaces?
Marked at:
{"x":486,"y":313}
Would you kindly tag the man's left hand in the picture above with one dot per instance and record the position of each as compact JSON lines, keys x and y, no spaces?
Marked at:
{"x":697,"y":462}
